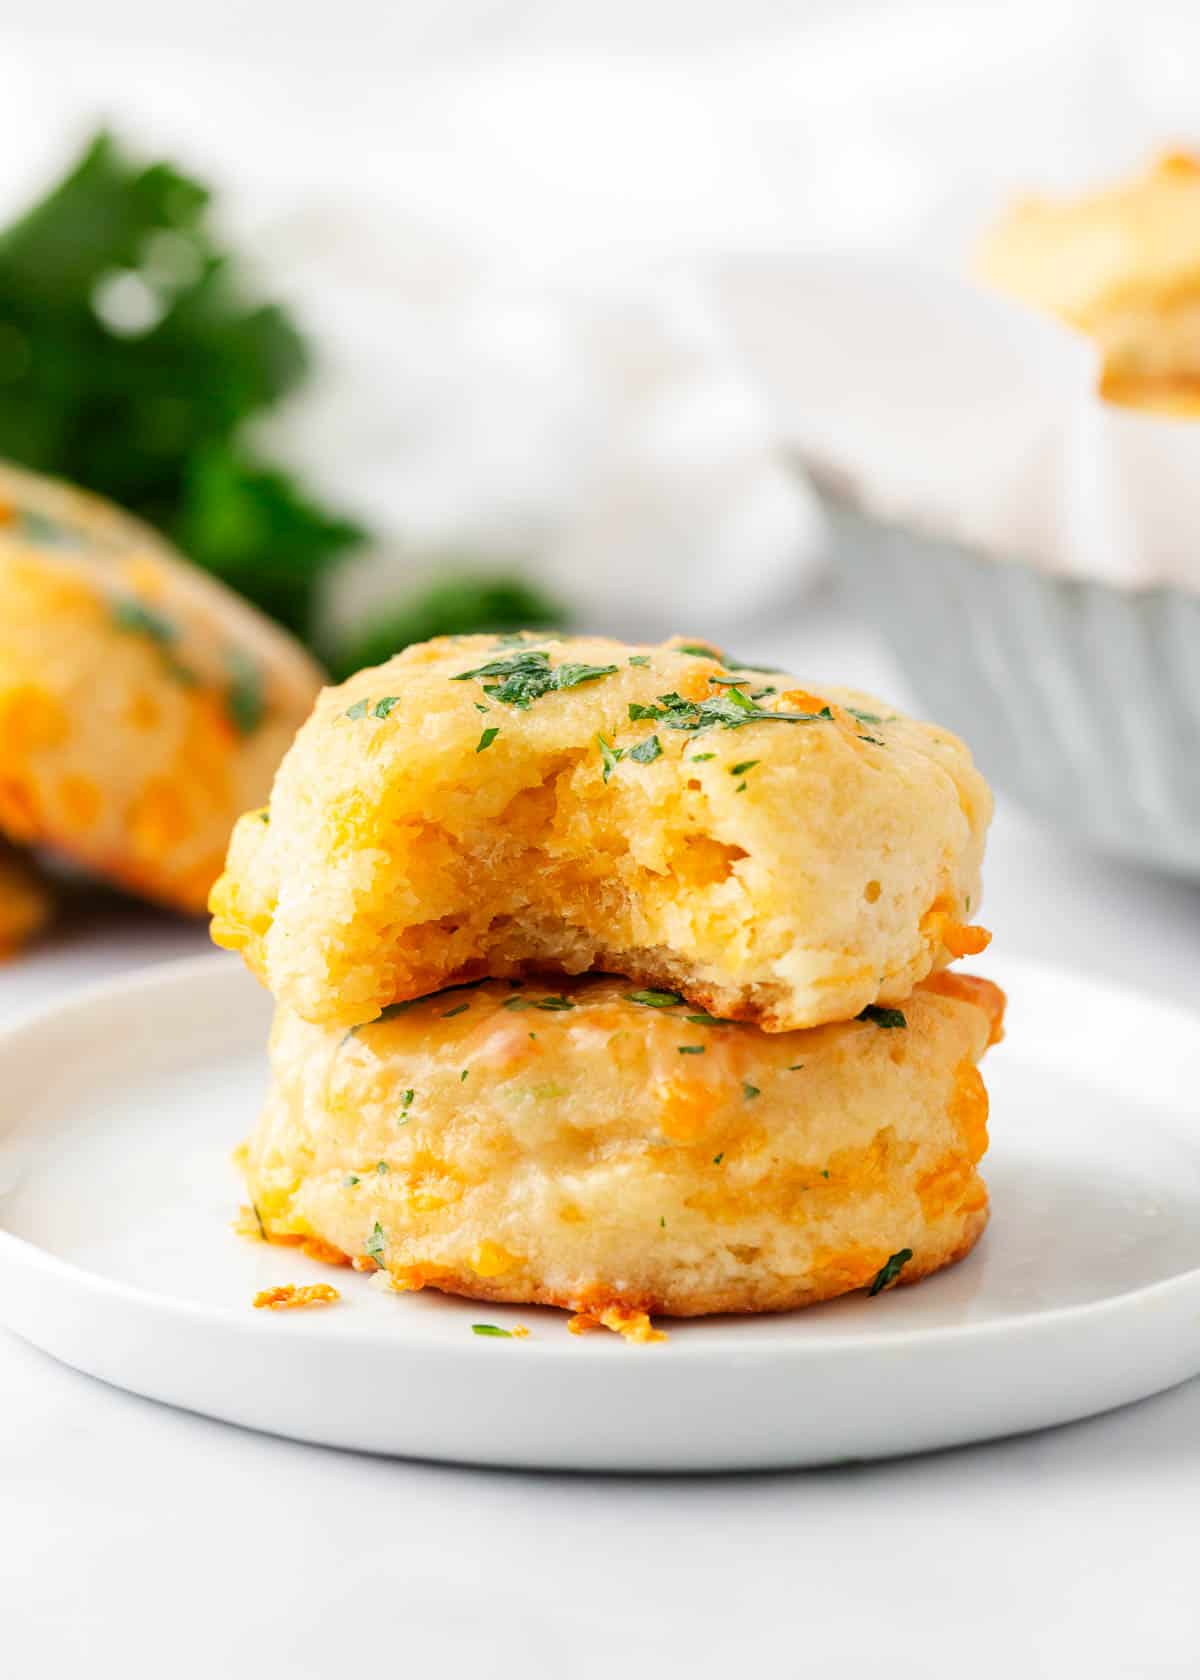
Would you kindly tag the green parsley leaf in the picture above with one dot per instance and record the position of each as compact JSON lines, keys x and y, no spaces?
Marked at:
{"x":717,"y":1159}
{"x":864,"y":717}
{"x":890,"y":1270}
{"x":244,"y":700}
{"x":358,"y":710}
{"x":556,"y":1002}
{"x":262,"y":1230}
{"x":610,"y":756}
{"x":699,"y":758}
{"x":699,"y":650}
{"x":381,"y":1167}
{"x":886,"y":1018}
{"x":749,"y":1091}
{"x":795,"y":1067}
{"x":639,"y":659}
{"x":459,"y":1009}
{"x":712,"y":1020}
{"x":741,"y":768}
{"x":654,"y":1000}
{"x":486,"y":739}
{"x":349,"y":1180}
{"x":691,"y":1049}
{"x":264,"y":817}
{"x":662,"y":1222}
{"x":480,"y":707}
{"x":646,"y":751}
{"x":384,"y":707}
{"x":375,"y":1244}
{"x":729,"y":710}
{"x":490,"y":1330}
{"x":136,"y":616}
{"x":527,"y":676}
{"x":463,"y":1075}
{"x":406,"y":1099}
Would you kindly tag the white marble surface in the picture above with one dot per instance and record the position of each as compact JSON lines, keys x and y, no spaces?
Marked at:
{"x":142,"y":1541}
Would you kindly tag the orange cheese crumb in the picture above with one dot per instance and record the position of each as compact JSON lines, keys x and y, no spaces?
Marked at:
{"x":288,"y":1295}
{"x":964,"y":941}
{"x":623,"y":1321}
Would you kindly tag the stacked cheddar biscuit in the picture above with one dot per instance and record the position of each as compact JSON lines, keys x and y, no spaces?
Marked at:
{"x":615,"y":978}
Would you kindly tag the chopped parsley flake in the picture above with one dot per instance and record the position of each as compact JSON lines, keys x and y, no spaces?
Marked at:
{"x":890,"y":1270}
{"x":349,"y":1180}
{"x":662,"y":1222}
{"x":381,"y":1167}
{"x":886,"y":1018}
{"x":462,"y":1076}
{"x":698,"y":758}
{"x":824,"y":1172}
{"x":655,"y":1000}
{"x":527,"y":675}
{"x":262,"y":1229}
{"x":406,"y":1099}
{"x":135,"y":615}
{"x":717,"y":1159}
{"x":730,"y":710}
{"x":872,"y":740}
{"x":711,"y":1021}
{"x":490,"y":1330}
{"x":244,"y":700}
{"x":375,"y":1242}
{"x":749,"y":1091}
{"x":864,"y":717}
{"x":358,"y":710}
{"x":264,"y":817}
{"x":743,"y":765}
{"x":691,"y":1049}
{"x":480,"y":707}
{"x":459,"y":1009}
{"x":700,"y":650}
{"x":384,"y":707}
{"x":556,"y":1001}
{"x":646,"y":751}
{"x":611,"y":756}
{"x":795,"y":1067}
{"x":639,"y":659}
{"x":486,"y":739}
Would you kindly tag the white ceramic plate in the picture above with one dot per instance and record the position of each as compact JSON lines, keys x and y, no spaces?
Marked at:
{"x":120,"y":1108}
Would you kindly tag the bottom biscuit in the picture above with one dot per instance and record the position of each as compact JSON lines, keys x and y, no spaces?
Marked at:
{"x":588,"y":1145}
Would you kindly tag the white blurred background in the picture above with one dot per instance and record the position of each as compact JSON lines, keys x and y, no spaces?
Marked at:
{"x":494,"y":218}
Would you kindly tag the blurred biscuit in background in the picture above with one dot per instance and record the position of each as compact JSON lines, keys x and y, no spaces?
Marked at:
{"x":143,"y":705}
{"x":1123,"y":266}
{"x":26,"y":900}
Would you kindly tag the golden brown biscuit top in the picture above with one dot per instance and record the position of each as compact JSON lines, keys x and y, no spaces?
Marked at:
{"x":1085,"y":257}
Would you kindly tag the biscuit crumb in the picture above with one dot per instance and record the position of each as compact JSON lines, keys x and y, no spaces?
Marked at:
{"x":287,"y":1295}
{"x":633,"y":1326}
